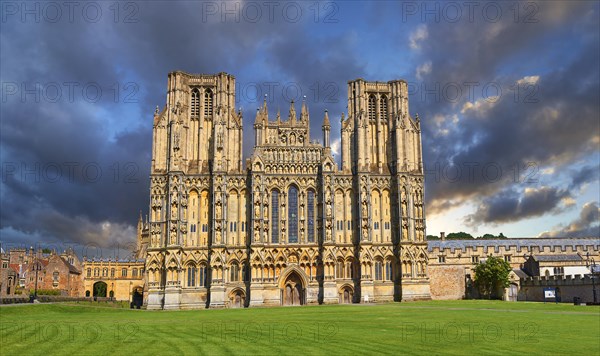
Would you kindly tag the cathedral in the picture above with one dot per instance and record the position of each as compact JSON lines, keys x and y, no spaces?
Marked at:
{"x":287,"y":226}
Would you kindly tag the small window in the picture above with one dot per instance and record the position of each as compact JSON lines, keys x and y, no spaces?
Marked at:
{"x":507,"y":258}
{"x":441,"y":259}
{"x":475,"y":259}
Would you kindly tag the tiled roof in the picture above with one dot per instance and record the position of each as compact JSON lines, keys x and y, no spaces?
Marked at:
{"x":520,"y":273}
{"x":512,"y":242}
{"x":557,"y":258}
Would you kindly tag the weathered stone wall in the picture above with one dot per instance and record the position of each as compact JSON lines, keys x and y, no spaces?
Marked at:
{"x":447,"y":282}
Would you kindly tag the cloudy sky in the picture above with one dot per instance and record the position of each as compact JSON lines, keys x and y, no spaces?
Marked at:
{"x":508,"y":94}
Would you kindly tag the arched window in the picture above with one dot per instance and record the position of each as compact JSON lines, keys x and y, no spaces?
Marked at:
{"x":105,"y":272}
{"x":202,"y":275}
{"x":378,"y":271}
{"x":293,"y":214}
{"x":349,"y":273}
{"x":208,"y":102}
{"x":89,"y":272}
{"x":112,"y":272}
{"x":195,"y":103}
{"x":234,"y":272}
{"x":311,"y":215}
{"x":275,"y":216}
{"x":134,"y":273}
{"x":372,"y":107}
{"x":339,"y":269}
{"x":389,"y":275}
{"x":96,"y":272}
{"x":383,"y":111}
{"x":191,"y":276}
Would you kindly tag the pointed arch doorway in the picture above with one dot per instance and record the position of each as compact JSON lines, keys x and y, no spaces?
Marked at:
{"x":293,"y":290}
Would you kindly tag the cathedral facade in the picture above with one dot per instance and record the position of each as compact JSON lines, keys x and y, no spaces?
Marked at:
{"x":287,"y":226}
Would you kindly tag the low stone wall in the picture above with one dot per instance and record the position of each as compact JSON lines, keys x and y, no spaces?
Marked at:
{"x":532,"y":289}
{"x":447,"y":282}
{"x":42,"y":299}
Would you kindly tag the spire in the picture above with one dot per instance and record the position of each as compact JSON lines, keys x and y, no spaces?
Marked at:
{"x":292,"y":115}
{"x":326,"y":128}
{"x":258,"y":119}
{"x":326,"y":120}
{"x":304,"y":110}
{"x":278,"y":116}
{"x":265,"y":104}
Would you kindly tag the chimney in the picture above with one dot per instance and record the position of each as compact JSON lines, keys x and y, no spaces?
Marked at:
{"x":443,"y":236}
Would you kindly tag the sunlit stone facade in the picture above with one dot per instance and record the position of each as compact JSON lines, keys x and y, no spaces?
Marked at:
{"x":287,"y":226}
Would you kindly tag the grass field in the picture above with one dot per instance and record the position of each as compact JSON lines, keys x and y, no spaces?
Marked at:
{"x":436,"y":327}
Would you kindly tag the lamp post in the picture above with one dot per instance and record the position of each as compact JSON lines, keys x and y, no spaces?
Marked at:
{"x":37,"y":268}
{"x":591,"y":264}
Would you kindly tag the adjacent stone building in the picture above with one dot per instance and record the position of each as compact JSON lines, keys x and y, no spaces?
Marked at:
{"x":8,"y":276}
{"x":54,"y":272}
{"x":118,"y":279}
{"x":537,"y":263}
{"x":289,"y":226}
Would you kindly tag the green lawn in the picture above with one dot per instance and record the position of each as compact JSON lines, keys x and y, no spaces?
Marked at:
{"x":436,"y":327}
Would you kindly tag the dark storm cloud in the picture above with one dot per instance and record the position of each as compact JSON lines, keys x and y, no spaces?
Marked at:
{"x":115,"y":135}
{"x":506,"y":141}
{"x":510,"y":205}
{"x":586,"y":225}
{"x":586,"y":174}
{"x":41,"y":134}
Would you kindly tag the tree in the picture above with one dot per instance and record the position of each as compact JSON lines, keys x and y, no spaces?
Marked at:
{"x":491,"y":275}
{"x":432,"y":237}
{"x":459,"y":236}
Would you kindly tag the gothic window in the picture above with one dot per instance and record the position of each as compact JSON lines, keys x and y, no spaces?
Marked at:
{"x":339,"y":270}
{"x":372,"y":107}
{"x":234,"y":272}
{"x":202,"y":275}
{"x":195,"y":103}
{"x":378,"y":271}
{"x":383,"y":112}
{"x":208,"y":103}
{"x":388,"y":271}
{"x":275,"y":216}
{"x":311,"y":215}
{"x":349,"y":273}
{"x":191,"y":276}
{"x":293,"y":214}
{"x":245,"y":274}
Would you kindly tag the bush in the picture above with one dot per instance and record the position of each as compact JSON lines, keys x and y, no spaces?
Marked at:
{"x":47,"y":292}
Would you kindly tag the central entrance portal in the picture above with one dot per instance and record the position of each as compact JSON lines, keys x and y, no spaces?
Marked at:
{"x":293,"y":290}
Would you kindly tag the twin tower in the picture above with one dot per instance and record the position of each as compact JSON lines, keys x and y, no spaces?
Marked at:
{"x":287,"y":226}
